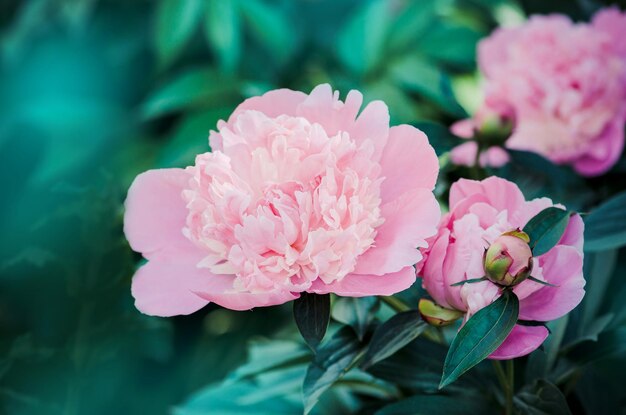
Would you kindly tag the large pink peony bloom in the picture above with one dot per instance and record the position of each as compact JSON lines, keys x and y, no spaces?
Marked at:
{"x":299,"y":194}
{"x":563,"y":85}
{"x":479,"y":213}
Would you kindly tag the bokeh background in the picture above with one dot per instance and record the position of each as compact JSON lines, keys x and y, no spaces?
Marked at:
{"x":93,"y":92}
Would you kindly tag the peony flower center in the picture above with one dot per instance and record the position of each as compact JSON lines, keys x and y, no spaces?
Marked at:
{"x":283,"y":203}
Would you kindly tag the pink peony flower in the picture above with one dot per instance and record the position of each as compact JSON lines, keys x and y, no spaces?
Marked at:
{"x":465,"y":155}
{"x":299,"y":194}
{"x":563,"y":85}
{"x":480,"y":212}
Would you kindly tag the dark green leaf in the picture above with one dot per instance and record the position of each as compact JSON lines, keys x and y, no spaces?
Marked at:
{"x":332,"y":361}
{"x":605,"y":226}
{"x":542,"y":398}
{"x":610,"y":343}
{"x":393,"y":335}
{"x":369,"y":25}
{"x":598,"y":269}
{"x":175,"y":24}
{"x":481,"y":335}
{"x":451,"y":44}
{"x":424,"y":404}
{"x":417,"y":366}
{"x":424,"y":78}
{"x":355,"y":312}
{"x":312,"y":314}
{"x":229,"y":398}
{"x":270,"y":28}
{"x":193,"y":88}
{"x":222,"y":28}
{"x":546,"y":228}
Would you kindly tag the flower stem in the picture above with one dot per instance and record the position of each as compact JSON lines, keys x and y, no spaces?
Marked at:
{"x":507,"y":382}
{"x":398,"y":305}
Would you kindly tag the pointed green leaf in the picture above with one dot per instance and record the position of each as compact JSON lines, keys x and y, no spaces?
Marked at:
{"x":201,"y":87}
{"x":605,"y":226}
{"x":176,"y":20}
{"x":542,"y":398}
{"x":332,"y":361}
{"x":223,"y":31}
{"x":483,"y":333}
{"x":312,"y":313}
{"x":393,"y":335}
{"x":546,"y":228}
{"x":355,"y":312}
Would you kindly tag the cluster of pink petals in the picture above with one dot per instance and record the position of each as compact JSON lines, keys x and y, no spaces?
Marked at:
{"x":301,"y":193}
{"x":563,"y":85}
{"x":481,"y":211}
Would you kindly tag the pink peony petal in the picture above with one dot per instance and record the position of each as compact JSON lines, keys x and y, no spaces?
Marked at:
{"x":433,"y":267}
{"x":520,"y":342}
{"x":372,"y":124}
{"x":464,"y":128}
{"x":408,"y":162}
{"x":155,"y":213}
{"x":167,"y":288}
{"x":562,"y":266}
{"x":608,"y":149}
{"x":323,"y":106}
{"x":219,"y":290}
{"x":501,"y":193}
{"x":464,"y":154}
{"x":409,"y":220}
{"x":358,"y":285}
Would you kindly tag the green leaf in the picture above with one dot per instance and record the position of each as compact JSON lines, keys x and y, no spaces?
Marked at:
{"x":427,"y":404}
{"x":230,"y":398}
{"x":422,"y":77}
{"x":189,"y":138}
{"x":481,"y":335}
{"x":546,"y":228}
{"x":610,"y":343}
{"x":393,"y":335}
{"x":191,"y":89}
{"x":269,"y":355}
{"x":332,"y":361}
{"x":270,"y":27}
{"x":598,"y":269}
{"x":450,"y":43}
{"x":312,"y":314}
{"x":605,"y":226}
{"x":176,"y":21}
{"x":542,"y":398}
{"x":355,"y":312}
{"x":361,"y":43}
{"x":223,"y":31}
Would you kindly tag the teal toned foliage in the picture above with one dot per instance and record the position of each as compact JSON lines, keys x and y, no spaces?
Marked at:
{"x":93,"y":92}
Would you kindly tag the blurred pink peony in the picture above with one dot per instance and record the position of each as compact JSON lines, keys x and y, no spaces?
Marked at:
{"x":480,"y":212}
{"x":299,"y":194}
{"x":563,"y":85}
{"x":465,"y":155}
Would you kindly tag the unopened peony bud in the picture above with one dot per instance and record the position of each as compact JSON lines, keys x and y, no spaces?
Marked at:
{"x":509,"y":260}
{"x":493,"y":130}
{"x":436,"y":315}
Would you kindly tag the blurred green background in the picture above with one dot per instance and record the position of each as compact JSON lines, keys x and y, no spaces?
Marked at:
{"x":93,"y":92}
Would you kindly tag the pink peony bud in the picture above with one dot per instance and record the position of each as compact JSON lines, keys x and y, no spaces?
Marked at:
{"x":509,"y":260}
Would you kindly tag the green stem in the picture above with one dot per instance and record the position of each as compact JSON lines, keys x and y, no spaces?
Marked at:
{"x":398,"y":305}
{"x":510,"y":368}
{"x":506,"y":383}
